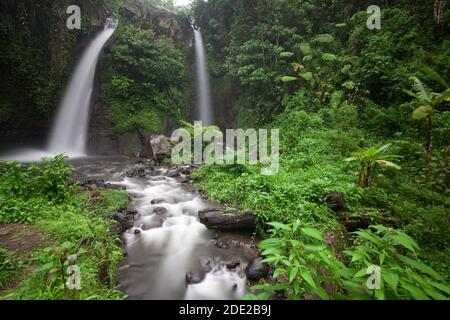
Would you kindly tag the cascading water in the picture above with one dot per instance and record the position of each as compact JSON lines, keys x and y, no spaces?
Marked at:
{"x":170,"y":254}
{"x":203,"y":90}
{"x":69,"y":132}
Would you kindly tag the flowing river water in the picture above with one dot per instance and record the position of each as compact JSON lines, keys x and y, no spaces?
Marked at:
{"x":169,"y":253}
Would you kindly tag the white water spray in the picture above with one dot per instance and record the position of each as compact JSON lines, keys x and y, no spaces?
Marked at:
{"x":69,"y":131}
{"x":203,"y":90}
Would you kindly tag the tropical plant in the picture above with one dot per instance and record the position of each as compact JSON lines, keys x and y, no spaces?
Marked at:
{"x":306,"y":267}
{"x":304,"y":264}
{"x":427,"y":101}
{"x":369,"y":160}
{"x":402,"y":274}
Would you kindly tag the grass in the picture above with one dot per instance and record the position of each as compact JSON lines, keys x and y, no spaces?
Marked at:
{"x":79,"y":217}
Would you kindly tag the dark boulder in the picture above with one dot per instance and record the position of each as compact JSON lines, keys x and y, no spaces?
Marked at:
{"x":157,"y":148}
{"x":227,"y":219}
{"x":158,"y":201}
{"x":257,"y":270}
{"x":115,"y":186}
{"x":233,"y":263}
{"x":173,"y":174}
{"x":160,"y":211}
{"x":335,"y":200}
{"x":138,"y":172}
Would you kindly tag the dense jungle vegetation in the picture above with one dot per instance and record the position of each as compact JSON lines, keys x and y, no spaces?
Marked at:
{"x":362,"y":113}
{"x":351,"y":104}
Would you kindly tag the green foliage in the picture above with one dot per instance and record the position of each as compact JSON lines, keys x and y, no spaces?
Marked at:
{"x":369,"y":160}
{"x":71,"y":221}
{"x":306,"y":266}
{"x":26,"y":189}
{"x":144,"y":80}
{"x":10,"y":267}
{"x":403,"y":276}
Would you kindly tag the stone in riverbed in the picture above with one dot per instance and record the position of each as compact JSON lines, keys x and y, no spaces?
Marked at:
{"x":160,"y":211}
{"x":115,"y":186}
{"x":158,"y":201}
{"x":227,"y":219}
{"x":233,"y":263}
{"x":170,"y":200}
{"x":173,"y":174}
{"x":206,"y":263}
{"x":138,"y":172}
{"x":157,"y":148}
{"x":194,"y":277}
{"x":257,"y":269}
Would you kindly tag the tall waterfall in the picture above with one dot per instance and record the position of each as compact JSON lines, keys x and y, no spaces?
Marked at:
{"x":203,"y":91}
{"x":69,"y":131}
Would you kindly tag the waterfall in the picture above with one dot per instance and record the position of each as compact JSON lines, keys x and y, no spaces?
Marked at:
{"x":69,"y":131}
{"x":203,"y":91}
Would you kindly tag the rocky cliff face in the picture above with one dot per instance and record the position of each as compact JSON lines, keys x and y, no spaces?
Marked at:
{"x":37,"y":55}
{"x":102,"y":138}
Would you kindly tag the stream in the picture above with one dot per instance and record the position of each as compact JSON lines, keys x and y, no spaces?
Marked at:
{"x":169,"y":253}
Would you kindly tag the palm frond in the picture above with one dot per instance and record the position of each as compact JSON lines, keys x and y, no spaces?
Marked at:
{"x":384,"y":148}
{"x":441,"y":97}
{"x":413,"y":95}
{"x":420,"y":89}
{"x":433,"y":75}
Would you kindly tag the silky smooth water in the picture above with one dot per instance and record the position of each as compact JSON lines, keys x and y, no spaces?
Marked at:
{"x":69,"y":131}
{"x":203,"y":89}
{"x":70,"y":127}
{"x":167,"y":240}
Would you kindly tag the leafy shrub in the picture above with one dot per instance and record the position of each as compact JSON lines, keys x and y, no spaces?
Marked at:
{"x":10,"y":266}
{"x":47,"y":178}
{"x":306,"y":266}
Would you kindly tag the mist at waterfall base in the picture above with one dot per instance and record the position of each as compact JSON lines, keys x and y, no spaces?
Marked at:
{"x":203,"y":90}
{"x":70,"y":128}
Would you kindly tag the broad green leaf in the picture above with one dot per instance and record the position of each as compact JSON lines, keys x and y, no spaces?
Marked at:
{"x":441,"y":287}
{"x":286,"y":54}
{"x":319,"y":291}
{"x":434,"y":294}
{"x":329,"y":57}
{"x":307,"y":76}
{"x":390,"y":278}
{"x":324,"y":38}
{"x":361,"y":273}
{"x":293,"y":274}
{"x":273,"y":250}
{"x":308,"y":278}
{"x":311,"y":232}
{"x":389,"y":164}
{"x":277,"y":272}
{"x":279,"y":226}
{"x":420,"y":266}
{"x":305,"y":48}
{"x":417,"y":293}
{"x":406,"y":241}
{"x":368,"y":236}
{"x":288,"y":79}
{"x":269,"y":243}
{"x":349,"y":85}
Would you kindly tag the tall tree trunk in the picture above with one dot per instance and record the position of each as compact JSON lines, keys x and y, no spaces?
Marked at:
{"x":429,"y":148}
